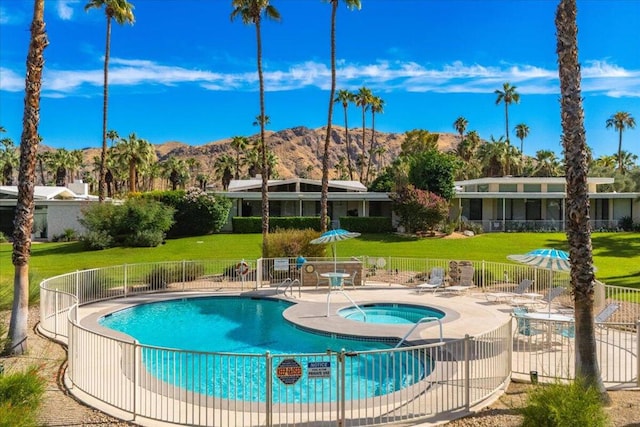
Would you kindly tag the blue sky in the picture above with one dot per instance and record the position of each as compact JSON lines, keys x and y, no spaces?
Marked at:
{"x":184,"y":72}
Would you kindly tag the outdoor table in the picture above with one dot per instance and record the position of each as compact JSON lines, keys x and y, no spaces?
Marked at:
{"x":336,"y":279}
{"x":554,"y":317}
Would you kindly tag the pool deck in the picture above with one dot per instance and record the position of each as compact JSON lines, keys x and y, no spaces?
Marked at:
{"x":466,"y":314}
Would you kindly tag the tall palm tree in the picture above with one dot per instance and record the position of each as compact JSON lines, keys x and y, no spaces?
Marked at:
{"x":363,"y":100}
{"x":460,"y":125}
{"x":122,"y":12}
{"x":547,"y":164}
{"x":324,"y":193}
{"x":9,"y":160}
{"x":251,"y":11}
{"x":59,"y":163}
{"x":135,"y":153}
{"x":23,"y":222}
{"x":176,"y":171}
{"x":508,"y":95}
{"x":578,"y":225}
{"x":522,"y":131}
{"x":377,"y":107}
{"x":346,"y":97}
{"x":239,"y":143}
{"x":621,"y":121}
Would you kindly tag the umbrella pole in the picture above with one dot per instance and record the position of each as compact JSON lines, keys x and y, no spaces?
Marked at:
{"x":335,"y":267}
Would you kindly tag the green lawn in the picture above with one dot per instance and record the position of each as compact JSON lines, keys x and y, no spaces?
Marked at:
{"x":617,"y":255}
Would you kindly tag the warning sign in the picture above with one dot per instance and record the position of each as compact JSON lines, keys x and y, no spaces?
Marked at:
{"x":319,"y":369}
{"x":289,"y":371}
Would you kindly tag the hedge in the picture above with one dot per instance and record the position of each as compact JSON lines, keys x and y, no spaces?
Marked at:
{"x":363,"y":224}
{"x":254,"y":224}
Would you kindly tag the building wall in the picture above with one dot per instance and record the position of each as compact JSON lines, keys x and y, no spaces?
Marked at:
{"x":62,"y":215}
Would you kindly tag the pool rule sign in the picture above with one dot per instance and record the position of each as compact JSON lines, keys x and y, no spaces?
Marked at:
{"x":289,"y":371}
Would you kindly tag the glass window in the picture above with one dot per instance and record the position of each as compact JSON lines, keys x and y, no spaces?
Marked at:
{"x":483,"y":188}
{"x":508,"y":188}
{"x":532,"y":188}
{"x":555,"y":188}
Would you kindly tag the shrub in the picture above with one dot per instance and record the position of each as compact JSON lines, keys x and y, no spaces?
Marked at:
{"x":20,"y":396}
{"x":137,"y":223}
{"x":291,"y":243}
{"x":3,"y":238}
{"x":626,"y":223}
{"x":211,"y":211}
{"x":253,"y":224}
{"x":68,"y":235}
{"x":160,"y":276}
{"x":560,"y":405}
{"x":363,"y":224}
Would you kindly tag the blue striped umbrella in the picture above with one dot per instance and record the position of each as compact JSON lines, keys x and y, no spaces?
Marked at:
{"x":333,"y":236}
{"x":549,"y":259}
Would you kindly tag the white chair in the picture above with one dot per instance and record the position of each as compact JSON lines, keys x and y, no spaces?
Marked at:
{"x":545,"y":301}
{"x":351,"y":280}
{"x":324,"y":281}
{"x":435,"y":282}
{"x":521,"y":290}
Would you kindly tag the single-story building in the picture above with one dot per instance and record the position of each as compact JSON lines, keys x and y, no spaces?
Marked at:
{"x":56,"y":209}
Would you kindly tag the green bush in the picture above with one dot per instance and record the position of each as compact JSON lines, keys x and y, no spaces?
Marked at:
{"x":136,"y":223}
{"x":210,"y":211}
{"x":626,"y":223}
{"x":253,"y":224}
{"x":564,"y":405}
{"x":3,"y":238}
{"x":20,"y":396}
{"x":363,"y":224}
{"x":291,"y":243}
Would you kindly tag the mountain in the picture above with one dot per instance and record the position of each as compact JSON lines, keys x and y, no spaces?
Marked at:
{"x":299,"y":150}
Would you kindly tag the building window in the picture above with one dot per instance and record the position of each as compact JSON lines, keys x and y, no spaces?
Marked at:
{"x":508,"y":188}
{"x":483,"y":188}
{"x":532,"y":188}
{"x":472,"y":209}
{"x":555,"y":188}
{"x":533,"y":209}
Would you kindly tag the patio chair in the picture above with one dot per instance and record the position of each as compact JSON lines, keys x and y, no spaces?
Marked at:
{"x":435,"y":282}
{"x":520,"y":290}
{"x":351,"y":280}
{"x":324,"y":281}
{"x":524,"y":325}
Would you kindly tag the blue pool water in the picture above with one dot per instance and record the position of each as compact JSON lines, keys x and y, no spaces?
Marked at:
{"x":251,"y":327}
{"x":390,"y":313}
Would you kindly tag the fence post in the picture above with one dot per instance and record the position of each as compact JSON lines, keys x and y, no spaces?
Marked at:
{"x":638,"y":353}
{"x":269,"y":388}
{"x":184,"y":273}
{"x":136,"y":361}
{"x":125,"y":284}
{"x":467,"y":373}
{"x":258,"y":273}
{"x":342,"y":399}
{"x":55,"y":319}
{"x":78,"y":285}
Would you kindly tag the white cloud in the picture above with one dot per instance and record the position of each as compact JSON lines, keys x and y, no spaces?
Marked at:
{"x":65,"y":9}
{"x":598,"y":77}
{"x":4,"y":17}
{"x":10,"y":81}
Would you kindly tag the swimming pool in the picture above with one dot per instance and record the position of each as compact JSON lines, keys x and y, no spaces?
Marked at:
{"x":221,"y":341}
{"x":397,"y":314}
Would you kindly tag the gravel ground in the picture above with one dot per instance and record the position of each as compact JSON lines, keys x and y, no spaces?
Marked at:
{"x":59,"y":408}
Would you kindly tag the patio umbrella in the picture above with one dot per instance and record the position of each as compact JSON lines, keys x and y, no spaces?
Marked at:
{"x":333,"y":236}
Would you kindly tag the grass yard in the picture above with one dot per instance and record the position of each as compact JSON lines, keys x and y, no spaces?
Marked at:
{"x":617,"y":255}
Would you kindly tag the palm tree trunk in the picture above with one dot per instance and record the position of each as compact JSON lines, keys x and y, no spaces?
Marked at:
{"x":364,"y":144}
{"x":372,"y":146}
{"x":346,"y":130}
{"x":265,"y":182}
{"x":103,"y":154}
{"x":620,"y":169}
{"x":324,"y":194}
{"x":578,"y":226}
{"x":23,"y":224}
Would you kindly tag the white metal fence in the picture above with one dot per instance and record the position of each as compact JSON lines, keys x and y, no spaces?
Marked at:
{"x":166,"y":384}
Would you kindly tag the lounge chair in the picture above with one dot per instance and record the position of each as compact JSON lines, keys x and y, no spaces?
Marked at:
{"x":545,"y":301}
{"x":520,"y":291}
{"x":435,"y":282}
{"x":606,"y":312}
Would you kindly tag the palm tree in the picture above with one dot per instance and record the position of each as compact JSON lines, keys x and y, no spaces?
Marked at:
{"x":547,"y":164}
{"x":113,"y":136}
{"x":493,"y":156}
{"x":578,"y":225}
{"x":377,"y":106}
{"x":59,"y":163}
{"x":134,"y":152}
{"x":363,"y":100}
{"x":16,"y":342}
{"x":253,"y":161}
{"x":239,"y":143}
{"x":250,"y":11}
{"x":9,"y":160}
{"x":346,"y":97}
{"x":522,"y":131}
{"x":324,"y":193}
{"x":507,"y":95}
{"x":176,"y":171}
{"x":42,"y":159}
{"x":460,"y":125}
{"x":621,"y":121}
{"x":122,"y":12}
{"x":224,"y":166}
